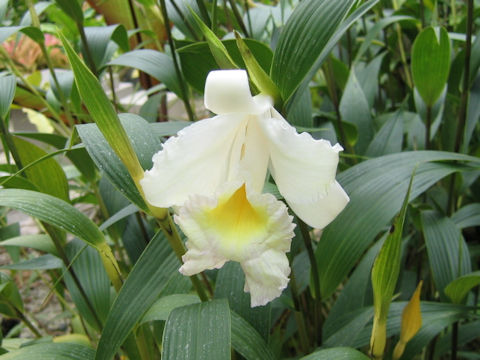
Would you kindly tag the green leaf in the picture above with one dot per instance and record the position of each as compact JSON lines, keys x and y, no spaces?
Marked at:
{"x":389,"y":138}
{"x":32,"y":32}
{"x":460,"y":287}
{"x":102,"y":112}
{"x":300,"y":48}
{"x":435,"y":316}
{"x":155,"y":63}
{"x":53,"y":211}
{"x":340,"y":353}
{"x":197,"y":59}
{"x":7,"y":92}
{"x":385,"y":273}
{"x":77,"y":155}
{"x":39,"y":7}
{"x":218,"y":50}
{"x":257,"y":75}
{"x":9,"y":293}
{"x":431,"y":63}
{"x":198,"y":332}
{"x":37,"y":242}
{"x":91,"y":274}
{"x":151,"y":274}
{"x":467,"y":216}
{"x":354,"y":109}
{"x":71,"y":8}
{"x":47,"y":175}
{"x":447,"y":251}
{"x":247,"y":341}
{"x":99,"y":42}
{"x":352,"y":298}
{"x":300,"y":113}
{"x":144,"y":143}
{"x":376,"y":30}
{"x":230,"y":283}
{"x":166,"y":304}
{"x":376,"y":188}
{"x":43,"y":262}
{"x":168,"y":128}
{"x":51,"y":351}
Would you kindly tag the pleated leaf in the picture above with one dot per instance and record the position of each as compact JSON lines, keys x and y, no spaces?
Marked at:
{"x":43,"y":262}
{"x":51,"y":351}
{"x":144,"y":143}
{"x":155,"y":63}
{"x":99,"y":40}
{"x":230,"y":284}
{"x":150,"y":275}
{"x":91,"y":274}
{"x":467,"y":216}
{"x":53,"y":211}
{"x":458,"y":289}
{"x":376,"y":188}
{"x":47,"y":175}
{"x":102,"y":112}
{"x":247,"y":341}
{"x":447,"y":251}
{"x":340,"y":353}
{"x":38,"y":242}
{"x":7,"y":92}
{"x":431,"y":63}
{"x":355,"y":110}
{"x":198,"y":332}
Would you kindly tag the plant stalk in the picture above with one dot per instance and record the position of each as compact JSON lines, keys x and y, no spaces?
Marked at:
{"x":180,"y":77}
{"x":462,"y":116}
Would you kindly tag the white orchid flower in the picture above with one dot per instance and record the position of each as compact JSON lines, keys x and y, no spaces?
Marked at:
{"x":215,"y":170}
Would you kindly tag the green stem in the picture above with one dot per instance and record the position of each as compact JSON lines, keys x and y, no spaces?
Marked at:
{"x":86,"y":47}
{"x":462,"y":115}
{"x":59,"y":125}
{"x":238,"y":17}
{"x":173,"y":237}
{"x":332,"y":91}
{"x":247,"y":11}
{"x":302,"y":329}
{"x":180,"y":77}
{"x":401,"y":48}
{"x":204,"y":12}
{"x":28,"y":323}
{"x":112,"y":89}
{"x":43,"y":48}
{"x":10,"y":144}
{"x":317,"y":301}
{"x":185,"y":21}
{"x":214,"y":17}
{"x":428,"y":125}
{"x":453,"y":355}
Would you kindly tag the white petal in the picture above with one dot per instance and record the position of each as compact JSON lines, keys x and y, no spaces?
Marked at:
{"x":321,"y":212}
{"x":254,"y":163}
{"x":227,"y":91}
{"x":266,"y":276}
{"x":196,"y":161}
{"x":303,"y":168}
{"x":253,"y":229}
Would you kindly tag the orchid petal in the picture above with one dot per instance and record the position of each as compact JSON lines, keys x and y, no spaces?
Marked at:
{"x":255,"y":158}
{"x":266,"y":276}
{"x":254,"y":230}
{"x":321,"y":212}
{"x":196,"y":161}
{"x":227,"y":91}
{"x":303,"y":168}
